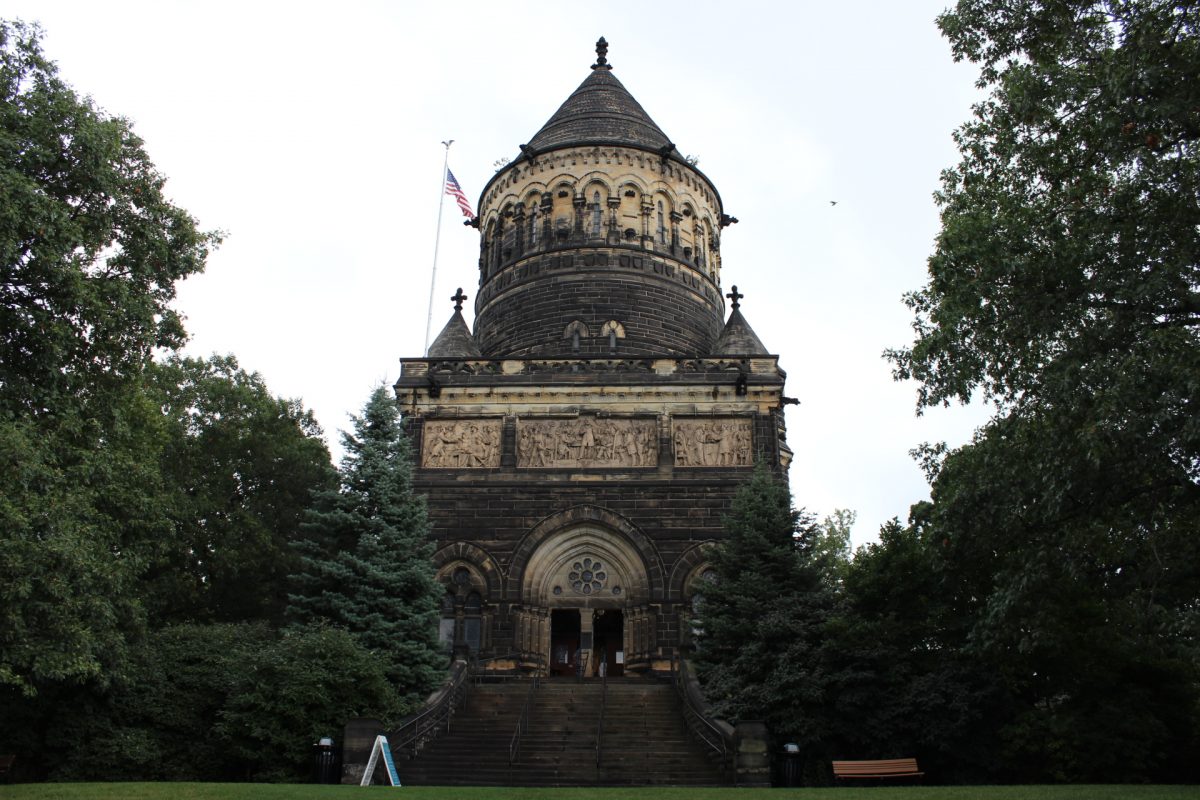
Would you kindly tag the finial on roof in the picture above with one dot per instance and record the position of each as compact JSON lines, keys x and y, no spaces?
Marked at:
{"x":733,"y":297}
{"x":459,"y":297}
{"x":601,"y":55}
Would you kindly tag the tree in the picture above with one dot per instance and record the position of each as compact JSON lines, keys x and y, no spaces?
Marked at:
{"x":241,"y":466}
{"x":761,"y":622}
{"x":90,"y":251}
{"x":383,"y":590}
{"x":1065,"y":289}
{"x":91,"y":248}
{"x":832,"y":546}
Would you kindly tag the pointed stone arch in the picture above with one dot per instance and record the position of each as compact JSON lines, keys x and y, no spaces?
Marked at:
{"x":483,"y":566}
{"x":686,"y":568}
{"x":553,"y":544}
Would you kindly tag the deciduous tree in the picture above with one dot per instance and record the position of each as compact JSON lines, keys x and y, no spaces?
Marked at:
{"x":1065,"y":289}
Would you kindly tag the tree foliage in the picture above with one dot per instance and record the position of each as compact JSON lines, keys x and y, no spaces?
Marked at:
{"x":90,"y":246}
{"x":761,"y":620}
{"x":211,"y":702}
{"x":90,"y":250}
{"x":241,"y":466}
{"x":1065,"y":288}
{"x":383,"y":589}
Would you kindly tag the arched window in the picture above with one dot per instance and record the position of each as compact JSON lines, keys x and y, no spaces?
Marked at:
{"x":533,"y":226}
{"x":446,"y":626}
{"x":597,"y":221}
{"x":662,"y":228}
{"x":471,"y":621}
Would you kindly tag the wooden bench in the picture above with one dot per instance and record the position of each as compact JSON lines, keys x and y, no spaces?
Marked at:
{"x":877,"y":770}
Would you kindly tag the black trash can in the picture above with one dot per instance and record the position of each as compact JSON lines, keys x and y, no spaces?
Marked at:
{"x":791,"y":765}
{"x":324,"y":761}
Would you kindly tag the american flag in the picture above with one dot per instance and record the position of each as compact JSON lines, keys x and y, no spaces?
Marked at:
{"x":455,"y":191}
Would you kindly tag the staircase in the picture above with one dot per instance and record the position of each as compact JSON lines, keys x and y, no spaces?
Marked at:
{"x":645,"y":741}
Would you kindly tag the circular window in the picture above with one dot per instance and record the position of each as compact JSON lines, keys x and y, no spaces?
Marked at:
{"x":587,"y":576}
{"x":616,"y":590}
{"x":558,"y":590}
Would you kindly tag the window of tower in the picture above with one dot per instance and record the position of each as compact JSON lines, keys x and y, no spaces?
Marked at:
{"x":597,"y":220}
{"x":662,"y":227}
{"x":534,"y":224}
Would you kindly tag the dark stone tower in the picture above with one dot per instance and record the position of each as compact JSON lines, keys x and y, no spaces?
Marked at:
{"x":579,"y":447}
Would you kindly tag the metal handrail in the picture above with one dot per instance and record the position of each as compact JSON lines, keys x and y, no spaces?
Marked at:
{"x":603,"y":706}
{"x":514,"y":744}
{"x":426,"y":724}
{"x":697,"y":720}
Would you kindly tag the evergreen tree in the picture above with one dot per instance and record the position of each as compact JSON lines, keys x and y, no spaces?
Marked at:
{"x":762,"y":618}
{"x":381,"y":588}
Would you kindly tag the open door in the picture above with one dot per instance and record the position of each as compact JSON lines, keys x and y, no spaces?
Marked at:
{"x":564,"y":641}
{"x":609,"y":626}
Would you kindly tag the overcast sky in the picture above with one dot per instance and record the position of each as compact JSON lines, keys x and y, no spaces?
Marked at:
{"x":310,"y":134}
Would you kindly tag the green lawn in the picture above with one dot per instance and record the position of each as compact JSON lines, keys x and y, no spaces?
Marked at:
{"x":254,"y":791}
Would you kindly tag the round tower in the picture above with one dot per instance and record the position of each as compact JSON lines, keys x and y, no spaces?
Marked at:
{"x":599,"y":239}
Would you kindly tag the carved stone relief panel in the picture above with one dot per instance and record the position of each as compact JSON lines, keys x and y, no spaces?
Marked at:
{"x":461,"y":444}
{"x":587,"y":442}
{"x":713,"y":442}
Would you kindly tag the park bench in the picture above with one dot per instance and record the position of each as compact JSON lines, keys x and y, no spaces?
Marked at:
{"x":876,"y":770}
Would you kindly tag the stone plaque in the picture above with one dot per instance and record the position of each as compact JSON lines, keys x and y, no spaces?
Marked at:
{"x":461,"y":444}
{"x":713,"y":442}
{"x":587,"y":442}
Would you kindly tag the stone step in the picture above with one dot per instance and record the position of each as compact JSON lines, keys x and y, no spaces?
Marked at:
{"x":644,"y":740}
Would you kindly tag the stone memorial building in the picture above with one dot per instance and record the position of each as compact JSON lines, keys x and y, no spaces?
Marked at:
{"x":579,"y":446}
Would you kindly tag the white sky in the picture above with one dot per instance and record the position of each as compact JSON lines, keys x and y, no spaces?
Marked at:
{"x":310,"y":133}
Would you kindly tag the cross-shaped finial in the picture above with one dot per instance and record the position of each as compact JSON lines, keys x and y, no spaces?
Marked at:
{"x":734,"y":296}
{"x":459,"y":297}
{"x":601,"y":55}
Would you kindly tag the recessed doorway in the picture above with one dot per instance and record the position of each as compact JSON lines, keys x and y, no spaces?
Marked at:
{"x":564,"y":641}
{"x":609,"y":648}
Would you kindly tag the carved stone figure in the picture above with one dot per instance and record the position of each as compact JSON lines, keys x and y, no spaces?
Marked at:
{"x":586,"y":442}
{"x":712,"y":442}
{"x":461,"y":444}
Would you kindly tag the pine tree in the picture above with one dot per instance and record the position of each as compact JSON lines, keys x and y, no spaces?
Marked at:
{"x":367,"y":555}
{"x":762,"y":618}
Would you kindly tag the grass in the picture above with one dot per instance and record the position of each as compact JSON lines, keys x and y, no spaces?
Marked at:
{"x":255,"y":791}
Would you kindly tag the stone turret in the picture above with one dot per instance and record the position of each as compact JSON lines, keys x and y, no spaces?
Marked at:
{"x":599,"y":225}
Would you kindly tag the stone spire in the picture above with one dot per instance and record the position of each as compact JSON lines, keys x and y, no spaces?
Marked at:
{"x":738,"y":338}
{"x":455,"y":340}
{"x":601,"y":111}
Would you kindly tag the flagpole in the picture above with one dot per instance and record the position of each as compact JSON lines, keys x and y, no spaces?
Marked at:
{"x":437,"y":241}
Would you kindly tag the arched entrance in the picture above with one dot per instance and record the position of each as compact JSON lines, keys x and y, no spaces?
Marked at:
{"x":584,"y":595}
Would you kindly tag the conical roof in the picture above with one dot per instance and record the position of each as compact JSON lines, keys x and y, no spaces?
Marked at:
{"x":738,"y":338}
{"x":455,"y":340}
{"x":600,"y":111}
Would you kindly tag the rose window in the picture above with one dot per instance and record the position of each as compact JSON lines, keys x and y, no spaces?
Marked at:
{"x":587,"y":576}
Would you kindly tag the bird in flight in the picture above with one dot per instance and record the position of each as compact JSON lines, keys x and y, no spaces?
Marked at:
{"x":833,"y":202}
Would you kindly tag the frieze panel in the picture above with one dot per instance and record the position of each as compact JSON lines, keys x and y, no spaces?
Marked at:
{"x":461,"y":444}
{"x":587,"y":442}
{"x":713,"y":442}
